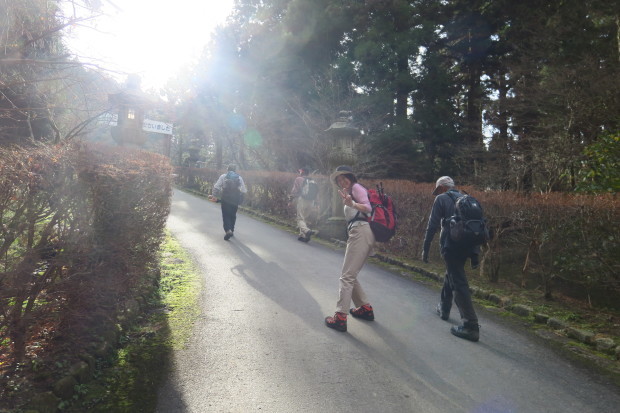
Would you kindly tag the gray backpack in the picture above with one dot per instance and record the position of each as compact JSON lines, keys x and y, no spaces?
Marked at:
{"x":310,"y":189}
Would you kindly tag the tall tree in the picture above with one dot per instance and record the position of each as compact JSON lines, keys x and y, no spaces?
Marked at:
{"x":44,"y":96}
{"x":502,"y":94}
{"x":562,"y":71}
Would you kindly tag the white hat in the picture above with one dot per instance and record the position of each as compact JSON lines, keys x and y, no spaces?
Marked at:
{"x":443,"y":181}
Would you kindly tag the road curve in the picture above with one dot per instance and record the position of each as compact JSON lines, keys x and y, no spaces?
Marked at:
{"x":260,"y":344}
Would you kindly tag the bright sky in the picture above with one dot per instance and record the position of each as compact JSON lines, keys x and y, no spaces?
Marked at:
{"x":155,"y":39}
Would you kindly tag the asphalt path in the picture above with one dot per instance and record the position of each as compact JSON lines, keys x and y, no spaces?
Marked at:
{"x":261,"y":345}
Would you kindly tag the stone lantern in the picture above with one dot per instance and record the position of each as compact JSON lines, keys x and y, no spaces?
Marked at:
{"x":193,"y":153}
{"x":344,"y":136}
{"x":131,"y":104}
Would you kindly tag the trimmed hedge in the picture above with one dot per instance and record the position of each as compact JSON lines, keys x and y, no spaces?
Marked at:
{"x":554,"y":242}
{"x":81,"y":225}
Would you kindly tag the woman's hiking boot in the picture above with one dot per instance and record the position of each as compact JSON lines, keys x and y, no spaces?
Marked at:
{"x":468,"y":331}
{"x":337,"y":322}
{"x":364,"y":312}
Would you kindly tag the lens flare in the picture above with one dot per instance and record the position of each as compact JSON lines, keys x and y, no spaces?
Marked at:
{"x":253,"y":138}
{"x":237,"y":122}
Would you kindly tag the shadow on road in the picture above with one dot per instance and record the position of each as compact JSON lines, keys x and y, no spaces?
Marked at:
{"x":280,"y":287}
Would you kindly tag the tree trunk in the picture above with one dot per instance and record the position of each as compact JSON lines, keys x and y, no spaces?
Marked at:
{"x":402,"y":92}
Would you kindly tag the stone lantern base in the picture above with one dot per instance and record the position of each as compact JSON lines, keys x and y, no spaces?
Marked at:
{"x":334,"y":228}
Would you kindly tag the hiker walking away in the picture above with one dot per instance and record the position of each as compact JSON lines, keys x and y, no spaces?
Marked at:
{"x":229,"y":190}
{"x":360,"y":246}
{"x":455,"y":281}
{"x":303,"y":194}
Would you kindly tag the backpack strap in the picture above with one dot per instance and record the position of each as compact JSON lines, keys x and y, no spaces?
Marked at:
{"x":454,"y":196}
{"x":357,"y":218}
{"x":360,"y":216}
{"x":353,"y":198}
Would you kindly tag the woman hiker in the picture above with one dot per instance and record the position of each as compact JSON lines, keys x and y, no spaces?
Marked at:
{"x":359,"y":247}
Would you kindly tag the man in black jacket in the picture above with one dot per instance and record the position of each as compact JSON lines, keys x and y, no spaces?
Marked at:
{"x":455,"y":282}
{"x":229,"y":189}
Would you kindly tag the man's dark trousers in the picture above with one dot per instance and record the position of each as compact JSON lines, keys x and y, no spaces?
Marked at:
{"x":456,"y":284}
{"x":229,"y":215}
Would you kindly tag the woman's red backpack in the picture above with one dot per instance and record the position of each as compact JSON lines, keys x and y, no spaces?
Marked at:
{"x":383,"y":219}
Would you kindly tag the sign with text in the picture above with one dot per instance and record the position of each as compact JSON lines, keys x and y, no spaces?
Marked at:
{"x":157,"y":127}
{"x":148,"y":125}
{"x":110,"y":119}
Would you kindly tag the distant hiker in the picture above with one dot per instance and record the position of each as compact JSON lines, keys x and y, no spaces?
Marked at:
{"x":303,"y":194}
{"x":229,"y":189}
{"x":455,"y":255}
{"x":359,"y":247}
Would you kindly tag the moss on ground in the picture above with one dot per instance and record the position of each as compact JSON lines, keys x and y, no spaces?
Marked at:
{"x":129,"y":380}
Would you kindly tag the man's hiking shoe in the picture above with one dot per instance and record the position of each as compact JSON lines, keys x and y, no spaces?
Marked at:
{"x":467,"y":331}
{"x":364,"y":312}
{"x":302,"y":239}
{"x":337,"y":322}
{"x":229,"y":234}
{"x":442,"y":313}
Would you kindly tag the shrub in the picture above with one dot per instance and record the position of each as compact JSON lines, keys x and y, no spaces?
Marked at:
{"x":554,"y":241}
{"x":80,"y":227}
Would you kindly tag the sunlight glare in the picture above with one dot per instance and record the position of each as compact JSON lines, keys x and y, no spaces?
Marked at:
{"x":156,"y":40}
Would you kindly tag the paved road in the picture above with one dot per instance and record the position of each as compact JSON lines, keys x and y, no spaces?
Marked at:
{"x":261,"y":346}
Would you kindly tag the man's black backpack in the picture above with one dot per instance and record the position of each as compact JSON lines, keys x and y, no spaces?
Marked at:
{"x":231,"y":188}
{"x":310,"y":189}
{"x":467,"y":227}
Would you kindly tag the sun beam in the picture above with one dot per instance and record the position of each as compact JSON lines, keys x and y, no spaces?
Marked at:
{"x":156,"y":40}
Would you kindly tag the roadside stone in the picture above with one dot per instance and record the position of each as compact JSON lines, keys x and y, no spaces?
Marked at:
{"x":494,"y":298}
{"x":605,"y":344}
{"x":484,"y":294}
{"x":44,"y":403}
{"x":63,"y":388}
{"x":500,"y":301}
{"x":427,"y":274}
{"x":556,"y":324}
{"x":541,"y":318}
{"x":479,"y":292}
{"x":391,"y":260}
{"x":583,"y":336}
{"x":434,"y":276}
{"x":522,"y":310}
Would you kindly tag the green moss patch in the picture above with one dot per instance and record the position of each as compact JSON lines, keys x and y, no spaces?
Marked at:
{"x":129,"y":380}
